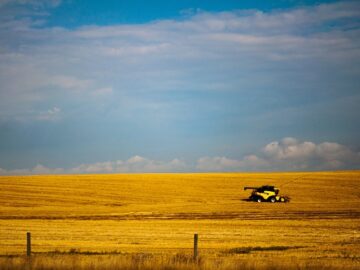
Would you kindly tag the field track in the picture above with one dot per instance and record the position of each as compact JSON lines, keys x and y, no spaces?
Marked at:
{"x":289,"y":215}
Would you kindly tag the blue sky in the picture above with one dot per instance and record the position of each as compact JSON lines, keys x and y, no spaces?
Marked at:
{"x":129,"y":86}
{"x":82,"y":12}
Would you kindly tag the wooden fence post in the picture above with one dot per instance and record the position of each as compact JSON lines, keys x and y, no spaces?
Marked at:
{"x":196,"y":238}
{"x":28,"y":244}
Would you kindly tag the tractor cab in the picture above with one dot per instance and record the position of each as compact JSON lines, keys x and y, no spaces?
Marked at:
{"x":268,"y":189}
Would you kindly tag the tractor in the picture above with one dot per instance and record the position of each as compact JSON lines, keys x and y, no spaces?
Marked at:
{"x":266,"y":194}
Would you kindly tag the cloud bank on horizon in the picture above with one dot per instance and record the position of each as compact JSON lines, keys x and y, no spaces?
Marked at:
{"x":207,"y":87}
{"x":286,"y":155}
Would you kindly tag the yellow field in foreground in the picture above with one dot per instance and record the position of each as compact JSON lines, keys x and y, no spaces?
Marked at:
{"x":149,"y":220}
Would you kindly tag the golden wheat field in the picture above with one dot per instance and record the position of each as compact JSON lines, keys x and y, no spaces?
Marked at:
{"x":147,"y":221}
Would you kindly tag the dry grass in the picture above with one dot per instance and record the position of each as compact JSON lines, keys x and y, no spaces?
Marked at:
{"x":167,"y":262}
{"x":147,"y":221}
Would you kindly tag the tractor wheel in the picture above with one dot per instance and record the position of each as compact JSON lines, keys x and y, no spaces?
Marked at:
{"x":282,"y":199}
{"x":272,"y":199}
{"x":259,"y":199}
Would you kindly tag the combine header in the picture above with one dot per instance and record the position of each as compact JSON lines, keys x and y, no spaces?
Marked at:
{"x":266,"y":194}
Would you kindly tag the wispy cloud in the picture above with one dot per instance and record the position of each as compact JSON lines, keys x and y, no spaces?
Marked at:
{"x":105,"y":91}
{"x":163,"y":55}
{"x":197,"y":82}
{"x":50,"y":115}
{"x":135,"y":164}
{"x":41,"y":3}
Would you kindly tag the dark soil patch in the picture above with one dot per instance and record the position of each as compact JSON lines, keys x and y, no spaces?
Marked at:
{"x":247,"y":250}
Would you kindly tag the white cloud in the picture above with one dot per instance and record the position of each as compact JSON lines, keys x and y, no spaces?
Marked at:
{"x":100,"y":167}
{"x":327,"y":155}
{"x":250,"y":162}
{"x":38,"y":3}
{"x":40,"y":169}
{"x":132,"y":165}
{"x":135,"y":50}
{"x":217,"y":163}
{"x":289,"y":148}
{"x":141,"y":164}
{"x":163,"y":55}
{"x":105,"y":91}
{"x":50,"y":115}
{"x":136,"y":159}
{"x":288,"y":154}
{"x":37,"y":170}
{"x":68,"y":82}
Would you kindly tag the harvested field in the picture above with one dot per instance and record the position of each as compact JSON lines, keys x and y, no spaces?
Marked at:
{"x":108,"y":220}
